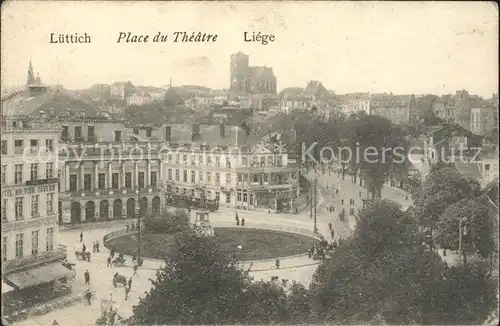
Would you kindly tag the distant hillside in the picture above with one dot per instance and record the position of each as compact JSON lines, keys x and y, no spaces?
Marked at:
{"x":156,"y":114}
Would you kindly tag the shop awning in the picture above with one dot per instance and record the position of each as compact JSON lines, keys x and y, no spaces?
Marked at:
{"x":6,"y":288}
{"x":37,"y":275}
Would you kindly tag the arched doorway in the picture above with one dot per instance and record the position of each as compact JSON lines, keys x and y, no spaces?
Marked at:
{"x":117,"y":208}
{"x":90,"y":211}
{"x":143,"y":208}
{"x":130,"y":207}
{"x":59,"y":211}
{"x":104,"y":210}
{"x":155,"y":206}
{"x":75,"y":212}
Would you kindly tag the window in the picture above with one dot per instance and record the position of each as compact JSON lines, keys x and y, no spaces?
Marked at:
{"x":262,"y":160}
{"x":184,"y":191}
{"x":49,"y":145}
{"x":228,"y":178}
{"x":192,"y":192}
{"x":34,"y":171}
{"x":4,"y":147}
{"x":169,"y":158}
{"x":239,"y":196}
{"x":18,"y":174}
{"x":217,"y":178}
{"x":33,"y":145}
{"x":50,"y":203}
{"x":200,"y":160}
{"x":49,"y":170}
{"x":128,"y":180}
{"x":34,"y":206}
{"x":170,"y":174}
{"x":177,"y":190}
{"x":228,"y":198}
{"x":185,"y":176}
{"x":200,"y":177}
{"x":136,"y":131}
{"x":193,"y":160}
{"x":185,"y":159}
{"x":270,"y":160}
{"x":118,"y":135}
{"x":193,"y":176}
{"x":101,"y":181}
{"x":18,"y":146}
{"x":177,"y":159}
{"x":87,"y":182}
{"x":141,"y":179}
{"x":5,"y":248}
{"x":19,"y":208}
{"x":209,"y":194}
{"x":154,"y":179}
{"x":78,"y":132}
{"x":217,"y":196}
{"x":50,"y":239}
{"x":73,"y":182}
{"x":114,"y":180}
{"x":245,"y":197}
{"x":148,"y":132}
{"x":4,"y":210}
{"x":176,"y":174}
{"x":19,"y":245}
{"x":217,"y":161}
{"x":34,"y":242}
{"x":278,"y":161}
{"x":209,"y":160}
{"x":244,"y":161}
{"x":486,"y":167}
{"x":64,"y":133}
{"x":90,"y":132}
{"x":4,"y":174}
{"x":209,"y":177}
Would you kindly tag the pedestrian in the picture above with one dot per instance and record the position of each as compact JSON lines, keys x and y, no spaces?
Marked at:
{"x":268,"y":211}
{"x":93,"y":247}
{"x":406,"y":197}
{"x":333,"y":208}
{"x":112,"y":254}
{"x":128,"y":227}
{"x":237,"y":222}
{"x":55,"y":322}
{"x":109,"y":261}
{"x":330,"y":226}
{"x":277,"y":264}
{"x":243,"y":222}
{"x":88,"y":296}
{"x":337,"y":191}
{"x":135,"y":269}
{"x":127,"y":290}
{"x":81,"y":236}
{"x":84,"y":247}
{"x":332,"y":233}
{"x":360,"y":194}
{"x":353,"y":203}
{"x":342,"y":201}
{"x":130,"y":282}
{"x":97,"y":246}
{"x":88,"y":257}
{"x":86,"y":275}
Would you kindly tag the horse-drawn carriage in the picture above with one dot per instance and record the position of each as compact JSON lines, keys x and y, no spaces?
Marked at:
{"x":82,"y":255}
{"x":119,"y":261}
{"x":119,"y":279}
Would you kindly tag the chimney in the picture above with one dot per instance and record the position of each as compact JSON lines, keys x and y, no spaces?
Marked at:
{"x":222,"y":130}
{"x":195,"y":131}
{"x":168,"y":133}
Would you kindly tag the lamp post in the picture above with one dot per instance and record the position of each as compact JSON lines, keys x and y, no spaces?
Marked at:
{"x":138,"y":213}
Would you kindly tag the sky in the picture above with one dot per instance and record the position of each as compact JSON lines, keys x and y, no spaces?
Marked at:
{"x":398,"y":47}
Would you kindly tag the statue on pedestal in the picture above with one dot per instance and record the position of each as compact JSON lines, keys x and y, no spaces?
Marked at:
{"x":202,"y":224}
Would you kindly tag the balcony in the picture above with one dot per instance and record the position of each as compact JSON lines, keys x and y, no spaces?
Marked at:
{"x":114,"y":192}
{"x":30,"y":261}
{"x":28,"y":223}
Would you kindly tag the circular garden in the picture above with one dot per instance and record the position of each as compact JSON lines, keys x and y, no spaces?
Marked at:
{"x":245,"y":243}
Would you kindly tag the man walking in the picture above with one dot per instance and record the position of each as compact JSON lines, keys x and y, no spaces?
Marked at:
{"x":81,"y":236}
{"x":277,"y":264}
{"x":109,"y":261}
{"x":97,"y":246}
{"x":86,"y":275}
{"x":243,"y":221}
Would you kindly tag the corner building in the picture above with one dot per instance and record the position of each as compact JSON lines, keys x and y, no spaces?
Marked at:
{"x":30,"y":250}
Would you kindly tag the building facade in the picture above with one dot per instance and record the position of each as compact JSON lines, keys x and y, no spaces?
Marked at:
{"x":483,"y":120}
{"x":29,"y":203}
{"x":246,"y":79}
{"x":398,"y":109}
{"x":122,"y":90}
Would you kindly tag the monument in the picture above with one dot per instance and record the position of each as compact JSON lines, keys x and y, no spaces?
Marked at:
{"x":202,"y":223}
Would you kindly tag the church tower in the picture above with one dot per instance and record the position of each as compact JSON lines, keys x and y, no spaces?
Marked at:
{"x":31,"y":75}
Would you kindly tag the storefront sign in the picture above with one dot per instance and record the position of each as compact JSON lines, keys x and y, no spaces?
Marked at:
{"x":28,"y":190}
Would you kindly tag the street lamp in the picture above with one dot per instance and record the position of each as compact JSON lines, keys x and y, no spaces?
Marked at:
{"x":138,"y":214}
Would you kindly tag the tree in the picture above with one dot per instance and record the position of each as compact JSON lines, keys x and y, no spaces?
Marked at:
{"x":299,"y":304}
{"x":379,"y":149}
{"x":167,"y":222}
{"x":472,"y":217}
{"x":267,"y":304}
{"x":200,"y":284}
{"x":442,"y":188}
